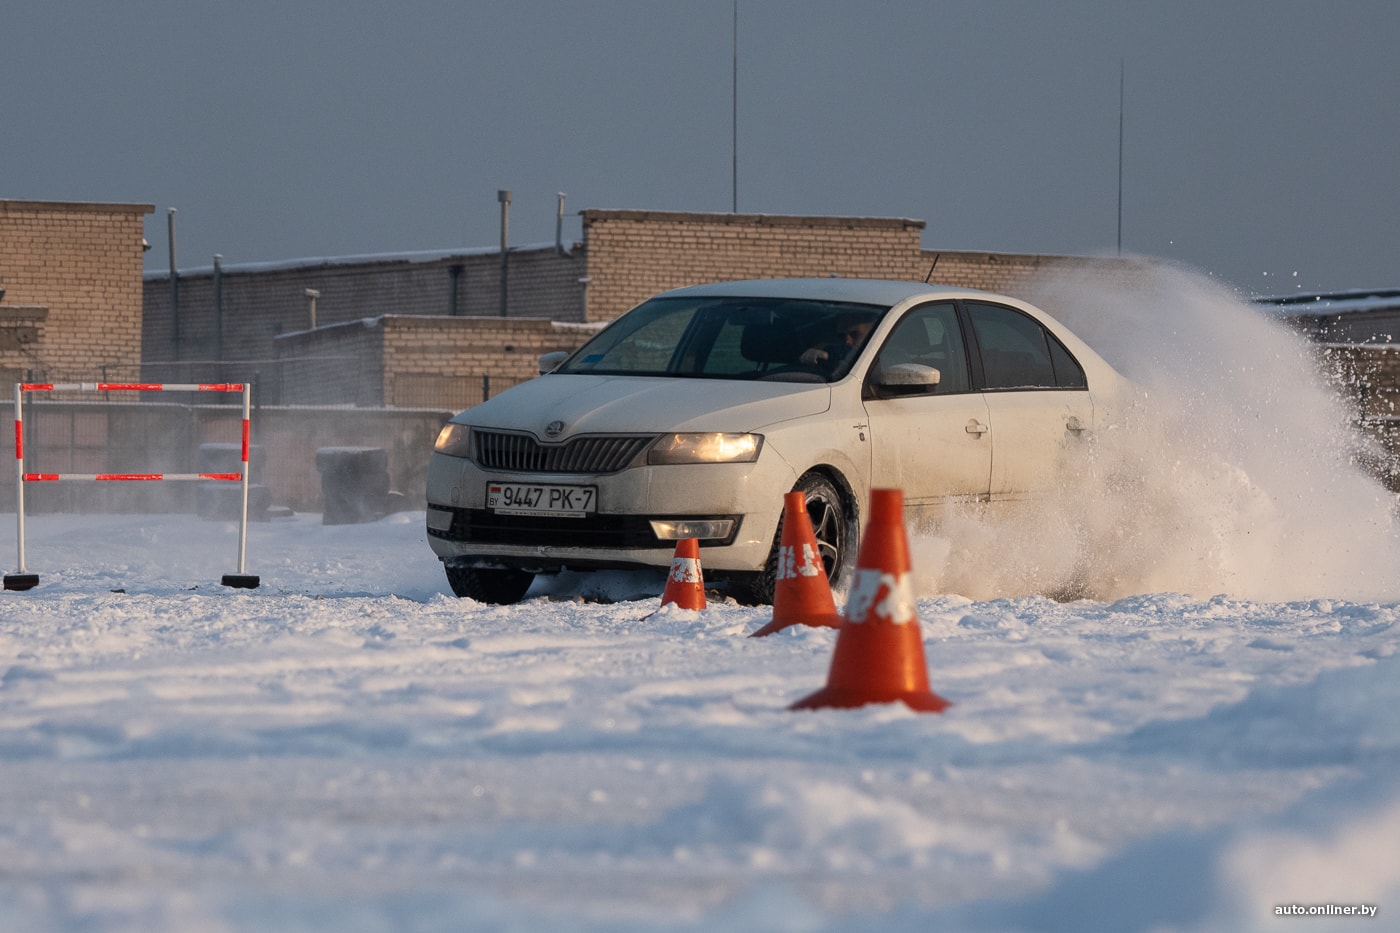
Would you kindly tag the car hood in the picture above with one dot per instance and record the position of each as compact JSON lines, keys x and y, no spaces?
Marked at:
{"x":587,"y":404}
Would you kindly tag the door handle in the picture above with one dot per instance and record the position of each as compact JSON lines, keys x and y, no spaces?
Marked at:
{"x":976,"y":427}
{"x":1074,"y":425}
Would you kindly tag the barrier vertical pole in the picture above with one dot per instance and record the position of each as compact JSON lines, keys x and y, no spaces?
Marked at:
{"x":243,"y":519}
{"x":241,"y":579}
{"x":21,"y":579}
{"x":19,"y":476}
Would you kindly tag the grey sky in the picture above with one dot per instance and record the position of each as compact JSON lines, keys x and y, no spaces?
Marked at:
{"x":1262,"y":139}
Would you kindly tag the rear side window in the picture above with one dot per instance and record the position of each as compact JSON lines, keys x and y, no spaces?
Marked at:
{"x":1019,"y":353}
{"x":1068,"y":373}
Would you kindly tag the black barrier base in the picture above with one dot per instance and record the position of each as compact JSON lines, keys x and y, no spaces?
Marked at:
{"x":242,"y":581}
{"x":21,"y":581}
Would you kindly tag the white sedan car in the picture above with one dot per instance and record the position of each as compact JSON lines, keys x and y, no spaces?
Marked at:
{"x":692,"y":414}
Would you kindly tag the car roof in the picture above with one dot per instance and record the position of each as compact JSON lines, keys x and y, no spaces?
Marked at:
{"x":869,"y":291}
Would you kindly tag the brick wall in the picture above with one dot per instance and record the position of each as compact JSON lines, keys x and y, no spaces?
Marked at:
{"x":428,"y":364}
{"x":634,"y":254}
{"x":72,"y":279}
{"x":1369,"y":377}
{"x":1381,"y":325}
{"x":338,"y":364}
{"x":1008,"y":273}
{"x":409,"y":361}
{"x":262,"y":301}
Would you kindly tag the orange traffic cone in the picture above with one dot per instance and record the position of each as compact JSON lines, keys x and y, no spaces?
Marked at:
{"x":685,"y":587}
{"x":801,"y":591}
{"x":879,"y":654}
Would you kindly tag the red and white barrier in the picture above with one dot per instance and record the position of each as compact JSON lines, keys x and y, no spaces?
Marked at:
{"x":22,"y":579}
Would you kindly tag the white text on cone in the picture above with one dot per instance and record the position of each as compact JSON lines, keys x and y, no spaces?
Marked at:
{"x":888,"y":596}
{"x":685,"y":570}
{"x":790,"y":568}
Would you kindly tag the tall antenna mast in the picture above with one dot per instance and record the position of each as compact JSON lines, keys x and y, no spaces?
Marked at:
{"x":734,"y":117}
{"x":1120,"y":155}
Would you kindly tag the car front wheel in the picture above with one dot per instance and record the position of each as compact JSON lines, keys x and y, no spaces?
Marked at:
{"x":488,"y":584}
{"x":833,"y":525}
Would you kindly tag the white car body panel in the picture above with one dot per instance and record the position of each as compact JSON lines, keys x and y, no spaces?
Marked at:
{"x":1043,"y":425}
{"x":938,"y":450}
{"x":604,"y":404}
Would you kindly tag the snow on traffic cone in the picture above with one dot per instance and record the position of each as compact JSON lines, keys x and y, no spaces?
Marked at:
{"x":879,"y":654}
{"x":685,"y":587}
{"x":801,"y":591}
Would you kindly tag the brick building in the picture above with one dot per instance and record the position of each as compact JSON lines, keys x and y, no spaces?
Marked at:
{"x":427,"y":329}
{"x":1359,"y":316}
{"x":72,"y":302}
{"x":1358,"y":337}
{"x":634,"y":254}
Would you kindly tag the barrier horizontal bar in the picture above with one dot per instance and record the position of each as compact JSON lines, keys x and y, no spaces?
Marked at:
{"x":131,"y":387}
{"x":135,"y":477}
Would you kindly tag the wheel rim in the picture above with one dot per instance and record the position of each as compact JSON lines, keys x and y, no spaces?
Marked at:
{"x":829,"y":528}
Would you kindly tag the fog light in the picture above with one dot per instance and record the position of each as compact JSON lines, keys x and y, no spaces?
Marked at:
{"x":703,"y":529}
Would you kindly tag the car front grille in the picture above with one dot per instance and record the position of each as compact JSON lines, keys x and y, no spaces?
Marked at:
{"x":589,"y":453}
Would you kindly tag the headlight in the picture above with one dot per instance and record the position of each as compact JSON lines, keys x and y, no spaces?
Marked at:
{"x":455,"y":440}
{"x":705,"y":448}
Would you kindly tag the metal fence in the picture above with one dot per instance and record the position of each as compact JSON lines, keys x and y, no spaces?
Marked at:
{"x":325,"y":380}
{"x":427,"y":390}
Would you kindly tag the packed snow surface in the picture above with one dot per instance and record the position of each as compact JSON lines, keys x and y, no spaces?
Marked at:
{"x":1200,"y":734}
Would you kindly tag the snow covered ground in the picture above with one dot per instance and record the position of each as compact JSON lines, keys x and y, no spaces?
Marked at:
{"x":348,"y":747}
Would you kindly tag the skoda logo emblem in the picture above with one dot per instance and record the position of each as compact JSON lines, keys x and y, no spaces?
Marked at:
{"x":553,"y":429}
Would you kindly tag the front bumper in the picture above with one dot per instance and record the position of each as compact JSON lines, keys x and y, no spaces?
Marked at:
{"x":461,"y":529}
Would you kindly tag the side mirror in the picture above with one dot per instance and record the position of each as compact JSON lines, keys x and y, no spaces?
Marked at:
{"x":550,"y":361}
{"x":907,"y":379}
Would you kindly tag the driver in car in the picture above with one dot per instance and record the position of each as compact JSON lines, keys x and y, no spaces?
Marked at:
{"x":850,"y":335}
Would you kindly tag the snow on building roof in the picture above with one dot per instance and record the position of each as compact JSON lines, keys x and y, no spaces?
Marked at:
{"x":285,"y":265}
{"x":1345,"y":302}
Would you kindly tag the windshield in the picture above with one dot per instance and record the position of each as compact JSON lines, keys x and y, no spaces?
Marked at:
{"x":797,"y":340}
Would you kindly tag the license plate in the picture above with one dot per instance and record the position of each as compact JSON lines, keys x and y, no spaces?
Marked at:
{"x":537,"y":499}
